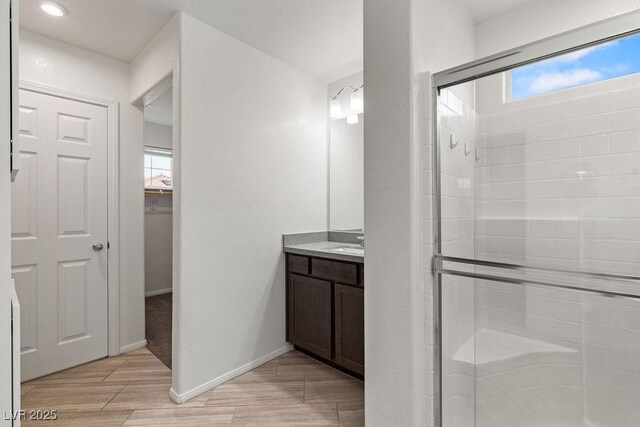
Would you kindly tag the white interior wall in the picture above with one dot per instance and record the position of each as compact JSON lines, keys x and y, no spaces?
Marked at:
{"x":158,"y":244}
{"x":158,"y":223}
{"x":157,"y":135}
{"x":5,"y":222}
{"x":393,"y":332}
{"x":544,"y":18}
{"x":156,"y":61}
{"x":444,"y":35}
{"x":57,"y":65}
{"x":251,"y":164}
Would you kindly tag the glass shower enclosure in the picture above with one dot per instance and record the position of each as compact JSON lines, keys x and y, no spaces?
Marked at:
{"x":537,"y":218}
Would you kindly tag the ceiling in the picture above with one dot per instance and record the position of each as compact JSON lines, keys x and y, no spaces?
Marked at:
{"x":321,"y":37}
{"x":117,"y":29}
{"x":481,"y":10}
{"x":160,"y":111}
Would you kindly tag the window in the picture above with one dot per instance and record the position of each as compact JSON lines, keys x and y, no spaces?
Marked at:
{"x":158,"y":168}
{"x":604,"y":61}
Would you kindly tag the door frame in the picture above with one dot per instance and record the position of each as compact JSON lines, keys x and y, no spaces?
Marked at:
{"x":113,"y":202}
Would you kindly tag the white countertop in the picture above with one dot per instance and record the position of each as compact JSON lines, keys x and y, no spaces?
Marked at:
{"x":326,"y":249}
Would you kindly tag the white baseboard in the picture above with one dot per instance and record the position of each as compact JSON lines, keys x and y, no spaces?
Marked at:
{"x":134,"y":346}
{"x":158,"y":292}
{"x":181,"y":398}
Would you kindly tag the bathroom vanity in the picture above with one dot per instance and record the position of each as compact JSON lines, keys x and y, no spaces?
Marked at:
{"x":325,"y":301}
{"x":325,"y":270}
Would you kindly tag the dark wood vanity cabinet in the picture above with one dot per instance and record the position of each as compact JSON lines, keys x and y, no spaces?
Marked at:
{"x":325,"y":310}
{"x":310,"y":309}
{"x":349,"y":327}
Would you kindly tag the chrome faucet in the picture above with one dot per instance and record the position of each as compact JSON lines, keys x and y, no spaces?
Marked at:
{"x":361,"y":238}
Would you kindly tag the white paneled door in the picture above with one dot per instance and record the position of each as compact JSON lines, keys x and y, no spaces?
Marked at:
{"x":59,"y":221}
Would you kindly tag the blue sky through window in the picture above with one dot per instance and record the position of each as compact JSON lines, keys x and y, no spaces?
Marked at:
{"x":600,"y":62}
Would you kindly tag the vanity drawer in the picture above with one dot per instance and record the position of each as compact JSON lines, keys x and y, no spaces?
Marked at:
{"x":298,"y":264}
{"x":335,"y":271}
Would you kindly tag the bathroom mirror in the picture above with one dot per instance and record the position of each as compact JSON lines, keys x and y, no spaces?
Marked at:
{"x":346,"y":174}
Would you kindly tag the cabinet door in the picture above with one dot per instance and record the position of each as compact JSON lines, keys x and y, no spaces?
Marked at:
{"x":310,"y":314}
{"x":350,"y":328}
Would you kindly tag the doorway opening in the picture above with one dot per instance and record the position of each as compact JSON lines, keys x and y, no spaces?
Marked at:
{"x":158,"y":223}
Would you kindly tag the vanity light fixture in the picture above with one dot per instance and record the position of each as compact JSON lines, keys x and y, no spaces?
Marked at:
{"x":53,"y":8}
{"x":335,"y":109}
{"x":356,"y":104}
{"x":357,"y":101}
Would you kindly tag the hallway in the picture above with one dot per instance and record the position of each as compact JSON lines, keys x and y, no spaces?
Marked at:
{"x":132,"y":389}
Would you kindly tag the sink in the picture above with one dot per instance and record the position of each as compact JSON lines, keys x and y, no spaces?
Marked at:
{"x":349,"y":250}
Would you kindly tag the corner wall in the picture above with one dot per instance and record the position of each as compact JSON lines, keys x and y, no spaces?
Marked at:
{"x":393,"y":297}
{"x":403,"y":39}
{"x":251,"y":164}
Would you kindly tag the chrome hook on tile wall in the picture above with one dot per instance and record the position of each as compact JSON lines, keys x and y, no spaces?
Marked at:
{"x":467,"y":148}
{"x":477,"y":154}
{"x":452,"y":142}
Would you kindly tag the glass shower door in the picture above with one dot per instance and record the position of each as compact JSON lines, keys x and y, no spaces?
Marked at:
{"x":538,"y":225}
{"x":531,"y":355}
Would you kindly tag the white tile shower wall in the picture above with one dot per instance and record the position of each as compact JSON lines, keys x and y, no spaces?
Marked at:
{"x":559,"y":185}
{"x":612,"y":351}
{"x":535,"y":365}
{"x":457,"y":148}
{"x":474,"y":389}
{"x":560,"y":180}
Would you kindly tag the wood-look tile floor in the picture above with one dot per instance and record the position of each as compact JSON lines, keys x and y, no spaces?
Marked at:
{"x":133,"y":389}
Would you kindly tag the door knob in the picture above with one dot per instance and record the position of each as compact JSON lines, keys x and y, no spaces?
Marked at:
{"x":97,"y":246}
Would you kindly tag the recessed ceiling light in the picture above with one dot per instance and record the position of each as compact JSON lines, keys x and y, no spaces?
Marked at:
{"x":53,"y":8}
